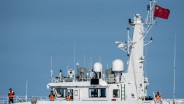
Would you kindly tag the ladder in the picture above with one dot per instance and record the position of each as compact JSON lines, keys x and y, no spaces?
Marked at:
{"x":123,"y":92}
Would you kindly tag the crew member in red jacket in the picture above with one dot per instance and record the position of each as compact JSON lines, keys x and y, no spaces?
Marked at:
{"x":51,"y":96}
{"x":11,"y":95}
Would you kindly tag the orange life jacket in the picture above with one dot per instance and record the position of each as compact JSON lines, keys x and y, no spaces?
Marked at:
{"x":51,"y":97}
{"x":158,"y":97}
{"x":68,"y":98}
{"x":11,"y":94}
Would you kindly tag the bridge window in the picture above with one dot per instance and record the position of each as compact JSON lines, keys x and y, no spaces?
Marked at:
{"x":97,"y":92}
{"x":60,"y":92}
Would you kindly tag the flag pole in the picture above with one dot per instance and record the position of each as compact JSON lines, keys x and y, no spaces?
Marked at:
{"x":149,"y":21}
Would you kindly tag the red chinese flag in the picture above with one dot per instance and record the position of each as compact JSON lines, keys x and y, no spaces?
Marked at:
{"x":161,"y":12}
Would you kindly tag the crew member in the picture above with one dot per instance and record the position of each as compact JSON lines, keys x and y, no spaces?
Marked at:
{"x":51,"y":96}
{"x":158,"y":96}
{"x":11,"y":95}
{"x":68,"y":97}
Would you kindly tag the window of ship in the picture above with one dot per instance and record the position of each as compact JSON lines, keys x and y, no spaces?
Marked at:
{"x":116,"y":93}
{"x":60,"y":92}
{"x":97,"y":92}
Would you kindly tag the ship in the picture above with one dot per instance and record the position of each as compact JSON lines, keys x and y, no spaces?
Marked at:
{"x":116,"y":86}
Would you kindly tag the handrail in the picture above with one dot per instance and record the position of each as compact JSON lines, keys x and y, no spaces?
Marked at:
{"x":4,"y":99}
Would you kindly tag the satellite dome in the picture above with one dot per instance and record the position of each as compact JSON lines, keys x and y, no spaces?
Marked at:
{"x":97,"y":67}
{"x":117,"y":65}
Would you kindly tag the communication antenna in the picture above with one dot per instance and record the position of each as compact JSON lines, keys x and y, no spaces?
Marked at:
{"x":51,"y":70}
{"x":67,"y":69}
{"x":174,"y":81}
{"x":74,"y":57}
{"x":91,"y":60}
{"x":26,"y":90}
{"x":84,"y":59}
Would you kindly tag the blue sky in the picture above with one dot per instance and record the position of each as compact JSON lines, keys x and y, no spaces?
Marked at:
{"x":31,"y":31}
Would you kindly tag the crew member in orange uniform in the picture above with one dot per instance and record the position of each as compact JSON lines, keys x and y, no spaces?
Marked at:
{"x":158,"y":96}
{"x":68,"y":97}
{"x":11,"y":95}
{"x":51,"y":96}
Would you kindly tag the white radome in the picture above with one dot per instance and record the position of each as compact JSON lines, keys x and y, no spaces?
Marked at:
{"x":97,"y":67}
{"x":117,"y":65}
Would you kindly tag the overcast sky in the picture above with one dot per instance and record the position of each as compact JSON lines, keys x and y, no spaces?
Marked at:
{"x":31,"y":31}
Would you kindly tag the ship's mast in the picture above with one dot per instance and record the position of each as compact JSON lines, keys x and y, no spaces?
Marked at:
{"x":135,"y":63}
{"x":135,"y":50}
{"x":136,"y":47}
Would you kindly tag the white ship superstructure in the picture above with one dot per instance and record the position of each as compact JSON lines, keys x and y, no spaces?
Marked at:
{"x":117,"y":86}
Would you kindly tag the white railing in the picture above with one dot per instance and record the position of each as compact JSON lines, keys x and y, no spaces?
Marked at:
{"x":179,"y":101}
{"x":5,"y":100}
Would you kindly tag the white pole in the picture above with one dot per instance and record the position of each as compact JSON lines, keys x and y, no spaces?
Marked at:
{"x":174,"y":82}
{"x":91,"y":58}
{"x":128,"y":32}
{"x":151,"y":12}
{"x":74,"y":64}
{"x":26,"y":90}
{"x":51,"y":71}
{"x":74,"y":57}
{"x":67,"y":70}
{"x":84,"y":60}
